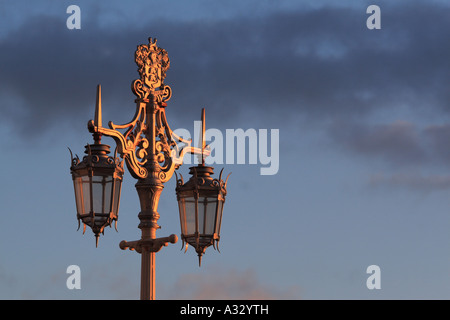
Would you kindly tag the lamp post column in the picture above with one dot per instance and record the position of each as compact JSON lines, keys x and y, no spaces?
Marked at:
{"x":149,"y":197}
{"x":149,"y":191}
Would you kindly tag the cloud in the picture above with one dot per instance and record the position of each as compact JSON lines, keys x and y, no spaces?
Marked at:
{"x":398,"y":143}
{"x":321,"y":63}
{"x":411,"y":181}
{"x":438,"y":139}
{"x":407,"y":151}
{"x":227,"y":284}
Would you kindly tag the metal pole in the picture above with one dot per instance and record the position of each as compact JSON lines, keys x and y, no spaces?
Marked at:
{"x":149,"y":190}
{"x":149,"y":198}
{"x":147,"y":275}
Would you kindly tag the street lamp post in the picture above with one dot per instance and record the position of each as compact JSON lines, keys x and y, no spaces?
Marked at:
{"x":152,"y":153}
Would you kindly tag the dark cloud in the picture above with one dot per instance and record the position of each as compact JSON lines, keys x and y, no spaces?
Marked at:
{"x":438,"y":140}
{"x":400,"y":143}
{"x":408,"y":152}
{"x":411,"y":181}
{"x":321,"y":63}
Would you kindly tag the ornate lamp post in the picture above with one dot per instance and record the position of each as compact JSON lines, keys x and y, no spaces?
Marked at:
{"x":151,"y":152}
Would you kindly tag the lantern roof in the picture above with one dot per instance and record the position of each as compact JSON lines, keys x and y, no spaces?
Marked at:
{"x":201,"y":179}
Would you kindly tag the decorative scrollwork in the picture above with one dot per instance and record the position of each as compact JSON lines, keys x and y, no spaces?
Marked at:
{"x":138,"y":89}
{"x":73,"y":160}
{"x":167,"y":93}
{"x":136,"y":143}
{"x":132,"y":145}
{"x":219,"y":183}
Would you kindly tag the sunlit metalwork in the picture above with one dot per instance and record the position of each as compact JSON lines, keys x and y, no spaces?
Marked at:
{"x":152,"y":152}
{"x":200,"y":203}
{"x":97,"y":181}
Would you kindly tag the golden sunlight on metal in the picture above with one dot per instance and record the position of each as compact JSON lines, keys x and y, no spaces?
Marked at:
{"x":200,"y":204}
{"x":97,"y":181}
{"x":152,"y":153}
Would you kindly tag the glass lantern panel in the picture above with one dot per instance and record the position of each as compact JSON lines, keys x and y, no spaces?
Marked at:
{"x":181,"y":209}
{"x":98,"y":194}
{"x":190,"y":215}
{"x":108,"y":194}
{"x":86,"y":191}
{"x":207,"y":214}
{"x":78,"y":186}
{"x":116,"y":196}
{"x":219,"y":216}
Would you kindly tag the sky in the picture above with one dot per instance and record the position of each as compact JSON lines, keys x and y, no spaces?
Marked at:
{"x":363,"y":119}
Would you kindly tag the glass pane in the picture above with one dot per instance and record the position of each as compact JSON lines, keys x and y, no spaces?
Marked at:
{"x":210,"y":216}
{"x":207,"y":207}
{"x":78,"y":195}
{"x":181,"y":207}
{"x":190,"y":216}
{"x":202,"y":205}
{"x":219,"y":217}
{"x":86,"y":193}
{"x":98,"y":193}
{"x":117,"y":190}
{"x":108,"y":194}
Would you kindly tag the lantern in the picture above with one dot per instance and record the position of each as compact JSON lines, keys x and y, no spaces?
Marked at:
{"x":200,"y":203}
{"x":97,"y":181}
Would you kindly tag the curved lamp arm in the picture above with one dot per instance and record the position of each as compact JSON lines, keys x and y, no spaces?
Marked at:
{"x":133,"y":145}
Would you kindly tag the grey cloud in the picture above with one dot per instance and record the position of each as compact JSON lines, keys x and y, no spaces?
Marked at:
{"x":412,"y":181}
{"x":398,"y":143}
{"x":321,"y":63}
{"x":438,"y":141}
{"x":408,"y":150}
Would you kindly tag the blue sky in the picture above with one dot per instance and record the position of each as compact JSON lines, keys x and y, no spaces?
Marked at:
{"x":363,"y":117}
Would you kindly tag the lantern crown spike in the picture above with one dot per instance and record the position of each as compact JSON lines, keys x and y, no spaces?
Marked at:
{"x":97,"y":116}
{"x":98,"y":107}
{"x":203,"y":136}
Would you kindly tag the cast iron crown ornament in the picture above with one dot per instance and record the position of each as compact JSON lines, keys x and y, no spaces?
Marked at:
{"x":151,"y":152}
